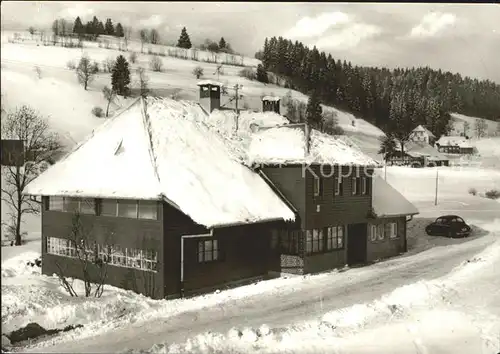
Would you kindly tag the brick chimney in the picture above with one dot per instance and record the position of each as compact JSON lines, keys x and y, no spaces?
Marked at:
{"x":271,"y":104}
{"x":209,"y":95}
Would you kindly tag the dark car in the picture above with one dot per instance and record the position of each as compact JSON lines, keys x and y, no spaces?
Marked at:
{"x":450,"y":226}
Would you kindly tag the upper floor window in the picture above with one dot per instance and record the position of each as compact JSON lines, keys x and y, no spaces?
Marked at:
{"x":318,"y":186}
{"x":72,"y":204}
{"x":338,"y":185}
{"x":356,"y":185}
{"x":142,"y":209}
{"x":365,"y":185}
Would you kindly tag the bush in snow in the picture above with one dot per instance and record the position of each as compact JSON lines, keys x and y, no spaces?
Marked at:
{"x":38,"y":72}
{"x":248,"y":73}
{"x":132,"y":57}
{"x":98,"y":112}
{"x":493,"y":194}
{"x":198,"y":72}
{"x":71,"y":65}
{"x":86,"y":71}
{"x":156,"y":64}
{"x":473,"y":191}
{"x":107,"y":65}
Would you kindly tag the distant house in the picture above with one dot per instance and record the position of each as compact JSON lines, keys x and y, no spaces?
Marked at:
{"x":422,"y":135}
{"x":455,"y":145}
{"x":418,"y":154}
{"x":178,"y":204}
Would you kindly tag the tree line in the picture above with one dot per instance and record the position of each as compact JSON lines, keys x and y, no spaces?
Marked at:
{"x":395,"y":100}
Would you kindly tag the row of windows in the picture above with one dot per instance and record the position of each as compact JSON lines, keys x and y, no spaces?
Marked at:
{"x":127,"y":208}
{"x":360,"y":186}
{"x":118,"y":256}
{"x":316,"y":240}
{"x":382,"y":231}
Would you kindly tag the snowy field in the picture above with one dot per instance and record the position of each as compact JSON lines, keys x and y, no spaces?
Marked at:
{"x":460,"y":119}
{"x":356,"y":311}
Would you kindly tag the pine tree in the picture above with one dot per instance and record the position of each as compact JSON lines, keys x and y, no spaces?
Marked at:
{"x":262,"y":74}
{"x":314,"y":110}
{"x":95,"y":26}
{"x":109,"y":29}
{"x":222,"y":43}
{"x":266,"y":54}
{"x":184,"y":40}
{"x":120,"y":77}
{"x":78,"y":27}
{"x":119,"y":30}
{"x":100,"y":28}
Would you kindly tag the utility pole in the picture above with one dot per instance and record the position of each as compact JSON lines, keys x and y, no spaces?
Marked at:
{"x":237,"y":87}
{"x":437,"y":182}
{"x":218,"y":70}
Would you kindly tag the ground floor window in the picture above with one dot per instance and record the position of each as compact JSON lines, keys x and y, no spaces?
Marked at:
{"x":208,"y":251}
{"x":382,"y":231}
{"x":286,"y":241}
{"x":325,"y":239}
{"x":335,"y":237}
{"x":113,"y":255}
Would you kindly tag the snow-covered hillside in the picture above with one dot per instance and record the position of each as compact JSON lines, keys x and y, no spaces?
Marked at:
{"x":460,"y":119}
{"x":175,"y":79}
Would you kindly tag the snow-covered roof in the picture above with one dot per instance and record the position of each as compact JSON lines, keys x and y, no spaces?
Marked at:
{"x":161,"y":149}
{"x":388,"y":202}
{"x":271,"y":98}
{"x":421,"y":128}
{"x":454,"y":141}
{"x":419,"y":149}
{"x":209,"y":82}
{"x":287,"y":144}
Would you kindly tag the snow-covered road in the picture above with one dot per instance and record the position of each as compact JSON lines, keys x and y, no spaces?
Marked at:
{"x":309,"y":300}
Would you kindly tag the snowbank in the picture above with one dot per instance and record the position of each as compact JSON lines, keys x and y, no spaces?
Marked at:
{"x":425,"y":307}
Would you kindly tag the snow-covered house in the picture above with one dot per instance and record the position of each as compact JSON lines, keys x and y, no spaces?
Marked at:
{"x":422,"y":135}
{"x":418,"y":154}
{"x":182,"y":197}
{"x":455,"y":145}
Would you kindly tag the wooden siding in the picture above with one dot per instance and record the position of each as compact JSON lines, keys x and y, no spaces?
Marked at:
{"x":105,"y":230}
{"x":291,"y":183}
{"x":336,"y":209}
{"x":387,"y":247}
{"x":321,"y":262}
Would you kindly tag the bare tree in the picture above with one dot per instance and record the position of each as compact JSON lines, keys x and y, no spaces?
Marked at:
{"x":466,"y":128}
{"x":127,"y":32}
{"x":40,"y":145}
{"x":154,"y":36}
{"x":155,"y":63}
{"x":143,"y":35}
{"x":132,"y":57}
{"x":143,"y":81}
{"x":86,"y":71}
{"x":481,"y":126}
{"x":109,"y":95}
{"x":92,"y":263}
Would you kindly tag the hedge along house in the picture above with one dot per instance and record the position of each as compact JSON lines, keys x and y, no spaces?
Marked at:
{"x":387,"y":226}
{"x":169,"y":208}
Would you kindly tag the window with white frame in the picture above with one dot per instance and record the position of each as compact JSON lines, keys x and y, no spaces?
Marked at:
{"x":127,"y":208}
{"x":364,"y":185}
{"x":338,"y":185}
{"x":355,"y":186}
{"x":56,"y":203}
{"x":335,"y":237}
{"x":373,"y":233}
{"x":314,"y":241}
{"x":113,"y":255}
{"x":208,"y":251}
{"x":391,"y":229}
{"x":147,"y":209}
{"x":318,"y":186}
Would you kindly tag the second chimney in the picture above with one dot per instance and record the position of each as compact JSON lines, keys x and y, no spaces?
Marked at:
{"x":210,"y":95}
{"x":271,"y":104}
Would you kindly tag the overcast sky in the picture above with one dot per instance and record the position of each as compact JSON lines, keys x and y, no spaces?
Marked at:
{"x":462,"y":38}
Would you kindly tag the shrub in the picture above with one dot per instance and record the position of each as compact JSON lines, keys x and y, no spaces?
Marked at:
{"x":156,"y":64}
{"x":492,"y":194}
{"x":98,"y":112}
{"x":198,"y":72}
{"x":248,"y":73}
{"x":71,"y":65}
{"x":473,"y":191}
{"x":133,"y":57}
{"x":107,"y":65}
